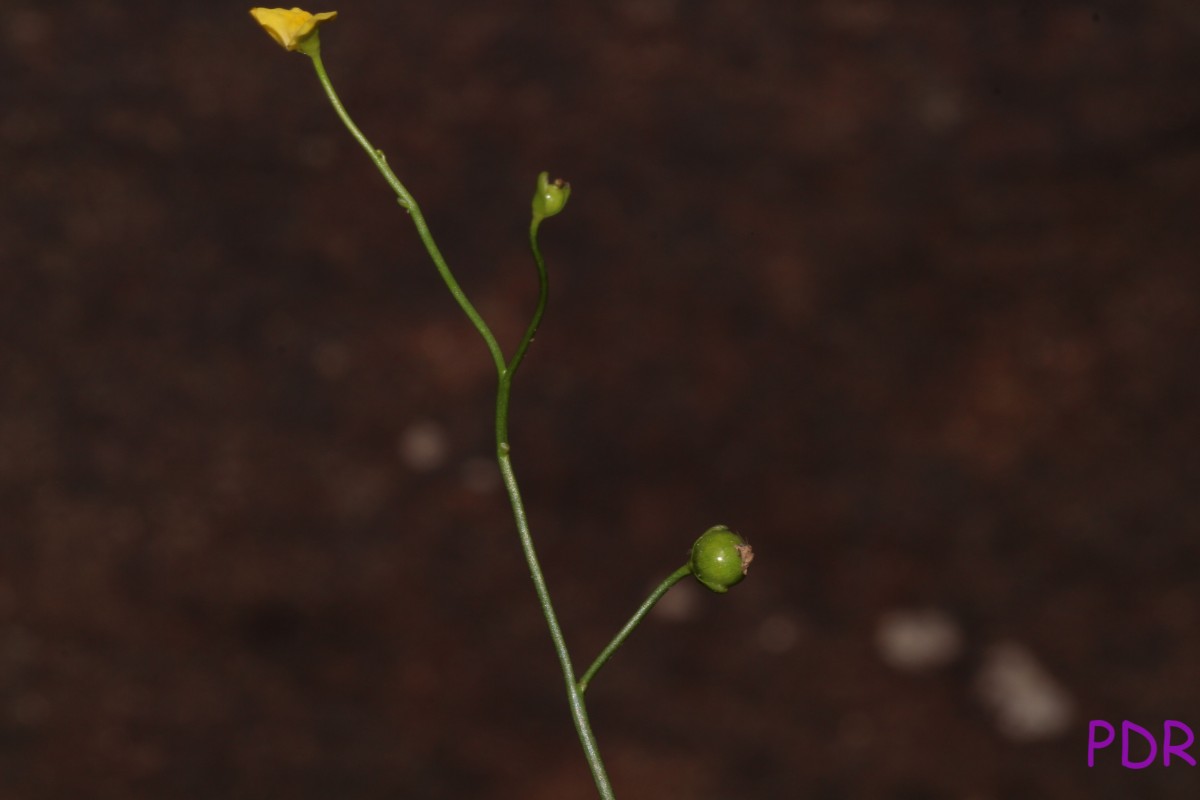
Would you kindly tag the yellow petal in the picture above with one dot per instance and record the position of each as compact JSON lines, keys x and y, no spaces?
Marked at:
{"x":289,"y":27}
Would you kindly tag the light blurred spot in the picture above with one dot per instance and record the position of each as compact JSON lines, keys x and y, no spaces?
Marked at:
{"x":422,"y":446}
{"x":918,"y":640}
{"x":18,"y":127}
{"x":480,"y":475}
{"x":1028,"y":704}
{"x":649,"y":13}
{"x":317,"y":152}
{"x":358,"y":492}
{"x":855,"y":732}
{"x":863,"y":17}
{"x":778,"y":633}
{"x":679,"y":603}
{"x":28,"y":709}
{"x":939,"y":109}
{"x":331,"y":360}
{"x":27,"y":28}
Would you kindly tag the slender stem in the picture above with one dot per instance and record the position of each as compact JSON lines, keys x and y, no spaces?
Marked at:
{"x":605,"y":654}
{"x":406,"y":201}
{"x":543,"y":293}
{"x":502,"y":396}
{"x":579,"y":715}
{"x":505,"y":374}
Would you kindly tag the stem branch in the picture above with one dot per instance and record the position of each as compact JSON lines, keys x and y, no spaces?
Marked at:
{"x":505,"y":372}
{"x":605,"y":654}
{"x":408,"y":203}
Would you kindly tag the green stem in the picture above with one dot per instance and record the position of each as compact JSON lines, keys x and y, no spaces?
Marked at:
{"x":505,"y":373}
{"x":605,"y":654}
{"x":543,"y":293}
{"x":506,"y":376}
{"x":407,"y":202}
{"x":579,"y":714}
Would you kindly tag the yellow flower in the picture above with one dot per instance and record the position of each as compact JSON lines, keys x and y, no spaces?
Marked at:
{"x":289,"y":28}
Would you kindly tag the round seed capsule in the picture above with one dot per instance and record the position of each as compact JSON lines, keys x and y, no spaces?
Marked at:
{"x":550,"y":196}
{"x":720,"y":558}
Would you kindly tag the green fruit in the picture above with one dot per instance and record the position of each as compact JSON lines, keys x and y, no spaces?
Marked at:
{"x":550,"y":196}
{"x":720,"y":558}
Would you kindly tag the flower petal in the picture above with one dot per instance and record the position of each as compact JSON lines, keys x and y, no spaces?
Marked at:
{"x":289,"y":27}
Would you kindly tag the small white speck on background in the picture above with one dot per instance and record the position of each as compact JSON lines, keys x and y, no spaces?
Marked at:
{"x":422,"y":446}
{"x":1027,"y":702}
{"x":855,"y":732}
{"x":917,"y":640}
{"x":480,"y":475}
{"x":331,"y":360}
{"x":679,"y":603}
{"x":778,"y":633}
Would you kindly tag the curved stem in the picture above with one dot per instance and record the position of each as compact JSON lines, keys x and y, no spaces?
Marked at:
{"x":407,"y":202}
{"x":579,"y":715}
{"x":605,"y":654}
{"x":505,"y":372}
{"x":539,"y":311}
{"x":543,"y":292}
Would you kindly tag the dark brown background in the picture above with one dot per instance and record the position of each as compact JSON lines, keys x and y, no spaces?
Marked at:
{"x":905,"y":292}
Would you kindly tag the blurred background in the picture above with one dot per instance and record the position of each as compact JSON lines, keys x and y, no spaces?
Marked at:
{"x":904,"y":292}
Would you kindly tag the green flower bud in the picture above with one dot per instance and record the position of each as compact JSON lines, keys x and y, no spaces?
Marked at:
{"x":550,"y":198}
{"x":720,"y":558}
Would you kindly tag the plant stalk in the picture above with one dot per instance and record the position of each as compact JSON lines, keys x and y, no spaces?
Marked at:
{"x":505,"y":372}
{"x":618,"y":640}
